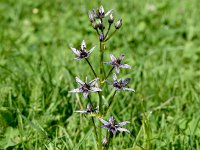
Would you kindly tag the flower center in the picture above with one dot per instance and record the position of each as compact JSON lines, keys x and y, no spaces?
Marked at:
{"x":86,"y":87}
{"x":117,"y":62}
{"x":83,"y":54}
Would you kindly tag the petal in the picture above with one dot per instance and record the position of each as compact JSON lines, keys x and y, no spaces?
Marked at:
{"x":79,"y":81}
{"x":125,"y":82}
{"x":76,"y":90}
{"x":93,"y":82}
{"x":90,"y":51}
{"x":110,"y":11}
{"x":122,"y":123}
{"x":117,"y":69}
{"x":75,"y":51}
{"x":105,"y":126}
{"x":77,"y":58}
{"x":113,"y":131}
{"x":109,"y":63}
{"x":111,"y":120}
{"x":129,"y":89}
{"x":125,"y":66}
{"x":123,"y":129}
{"x":121,"y":57}
{"x":83,"y":45}
{"x":113,"y":59}
{"x":114,"y":77}
{"x":81,"y":111}
{"x":95,"y":89}
{"x":103,"y":121}
{"x":85,"y":94}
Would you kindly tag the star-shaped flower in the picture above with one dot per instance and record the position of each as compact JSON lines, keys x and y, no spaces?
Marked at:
{"x":120,"y":84}
{"x":112,"y":126}
{"x":85,"y":88}
{"x":82,"y":52}
{"x":89,"y":109}
{"x":117,"y":63}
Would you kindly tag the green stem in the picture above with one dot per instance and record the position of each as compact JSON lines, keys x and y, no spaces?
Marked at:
{"x":101,"y":85}
{"x":109,"y":74}
{"x":111,"y":35}
{"x":110,"y":136}
{"x":91,"y":67}
{"x":101,"y":75}
{"x":95,"y":130}
{"x":108,"y":30}
{"x":97,"y":31}
{"x":111,"y":102}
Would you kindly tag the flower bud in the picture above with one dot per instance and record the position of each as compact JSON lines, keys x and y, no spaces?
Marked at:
{"x":118,"y":24}
{"x":101,"y":37}
{"x":101,"y":11}
{"x":91,"y":16}
{"x":95,"y":25}
{"x":105,"y":142}
{"x":111,"y":19}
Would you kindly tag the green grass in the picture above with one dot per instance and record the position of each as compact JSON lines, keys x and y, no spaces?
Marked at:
{"x":37,"y":70}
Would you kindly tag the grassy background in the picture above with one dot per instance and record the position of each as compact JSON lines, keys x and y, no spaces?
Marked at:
{"x":161,"y":42}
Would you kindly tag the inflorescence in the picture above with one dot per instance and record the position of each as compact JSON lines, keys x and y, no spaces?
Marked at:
{"x":97,"y":18}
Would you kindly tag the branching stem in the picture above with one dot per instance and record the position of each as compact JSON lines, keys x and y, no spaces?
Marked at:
{"x":95,"y":130}
{"x":91,"y":67}
{"x":109,"y":73}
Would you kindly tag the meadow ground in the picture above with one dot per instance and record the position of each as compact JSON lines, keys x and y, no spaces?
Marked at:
{"x":160,"y":40}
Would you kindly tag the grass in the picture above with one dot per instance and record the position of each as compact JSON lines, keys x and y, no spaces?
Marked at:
{"x":37,"y":71}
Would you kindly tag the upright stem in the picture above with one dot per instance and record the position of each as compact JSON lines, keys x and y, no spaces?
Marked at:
{"x":101,"y":85}
{"x":95,"y":130}
{"x":110,"y":35}
{"x":101,"y":74}
{"x":91,"y":67}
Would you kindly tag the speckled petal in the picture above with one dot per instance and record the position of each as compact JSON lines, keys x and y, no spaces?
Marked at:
{"x":79,"y":81}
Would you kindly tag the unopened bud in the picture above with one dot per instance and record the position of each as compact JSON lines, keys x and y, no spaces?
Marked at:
{"x":101,"y":11}
{"x":101,"y":37}
{"x":91,"y":16}
{"x":105,"y":142}
{"x":118,"y":24}
{"x":95,"y":25}
{"x":111,"y":19}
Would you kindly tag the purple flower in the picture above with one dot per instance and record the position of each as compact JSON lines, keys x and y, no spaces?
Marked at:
{"x":82,"y":52}
{"x":117,"y":63}
{"x":120,"y":84}
{"x":85,"y":88}
{"x":89,"y":109}
{"x":112,"y":126}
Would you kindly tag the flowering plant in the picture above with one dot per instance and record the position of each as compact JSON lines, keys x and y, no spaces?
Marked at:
{"x":97,"y":18}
